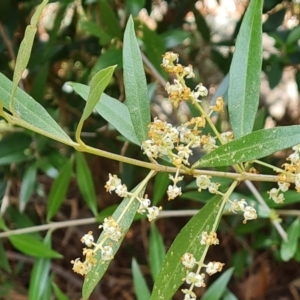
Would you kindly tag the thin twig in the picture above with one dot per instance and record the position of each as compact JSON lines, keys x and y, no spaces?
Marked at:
{"x":261,"y":200}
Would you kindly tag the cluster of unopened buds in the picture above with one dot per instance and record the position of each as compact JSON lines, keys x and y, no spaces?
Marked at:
{"x":196,"y":279}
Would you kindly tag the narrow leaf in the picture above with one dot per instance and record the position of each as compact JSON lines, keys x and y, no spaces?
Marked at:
{"x":85,"y":182}
{"x":59,"y":189}
{"x":254,"y":145}
{"x":98,"y":84}
{"x":4,"y":263}
{"x":58,"y":293}
{"x":31,"y":114}
{"x":112,"y":110}
{"x":39,"y":276}
{"x":137,"y":99}
{"x":245,"y":71}
{"x":140,"y":286}
{"x":31,"y":246}
{"x":25,"y":50}
{"x":218,"y":288}
{"x":126,"y":210}
{"x":157,"y":251}
{"x":27,"y":187}
{"x":288,"y":248}
{"x":187,"y":241}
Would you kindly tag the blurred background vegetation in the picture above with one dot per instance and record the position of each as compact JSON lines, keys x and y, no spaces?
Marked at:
{"x":75,"y":39}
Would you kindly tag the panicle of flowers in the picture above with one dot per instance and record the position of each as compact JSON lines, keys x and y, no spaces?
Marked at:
{"x":249,"y":211}
{"x":178,"y":91}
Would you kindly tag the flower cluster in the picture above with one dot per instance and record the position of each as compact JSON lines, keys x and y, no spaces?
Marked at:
{"x":178,"y":91}
{"x":189,"y":262}
{"x":203,"y":182}
{"x":115,"y":184}
{"x":249,"y":211}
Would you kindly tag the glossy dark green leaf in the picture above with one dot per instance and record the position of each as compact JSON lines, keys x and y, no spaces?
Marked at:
{"x":174,"y":38}
{"x":140,"y":286}
{"x":112,"y":110}
{"x":274,"y":20}
{"x":98,"y":31}
{"x":294,"y":36}
{"x":154,"y":48}
{"x":202,"y":26}
{"x":31,"y":246}
{"x":157,"y":251}
{"x":274,"y":72}
{"x":13,"y":148}
{"x":187,"y":241}
{"x":31,"y":114}
{"x":85,"y":182}
{"x":137,"y":99}
{"x":288,"y":248}
{"x":98,"y":84}
{"x":133,"y":7}
{"x":252,"y":146}
{"x":112,"y":56}
{"x":127,"y":212}
{"x":4,"y":263}
{"x":27,"y":186}
{"x":59,"y":189}
{"x":58,"y":293}
{"x":39,"y":276}
{"x":245,"y":72}
{"x":109,"y":20}
{"x":161,"y":183}
{"x":218,"y":288}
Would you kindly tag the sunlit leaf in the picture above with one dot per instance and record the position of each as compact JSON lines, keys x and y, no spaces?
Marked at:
{"x":254,"y":145}
{"x":112,"y":110}
{"x":31,"y":114}
{"x":170,"y":276}
{"x":245,"y":72}
{"x":137,"y":99}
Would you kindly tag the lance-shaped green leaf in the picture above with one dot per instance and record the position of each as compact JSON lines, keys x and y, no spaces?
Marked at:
{"x":32,"y":246}
{"x":31,"y":114}
{"x":157,"y":250}
{"x":39,"y":277}
{"x":140,"y":286}
{"x":218,"y":288}
{"x":112,"y":110}
{"x":124,"y":214}
{"x":25,"y":51}
{"x":85,"y":182}
{"x":98,"y":84}
{"x":137,"y":99}
{"x":289,"y":247}
{"x":254,"y":145}
{"x":187,"y":241}
{"x":245,"y":71}
{"x":27,"y":187}
{"x":59,"y":189}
